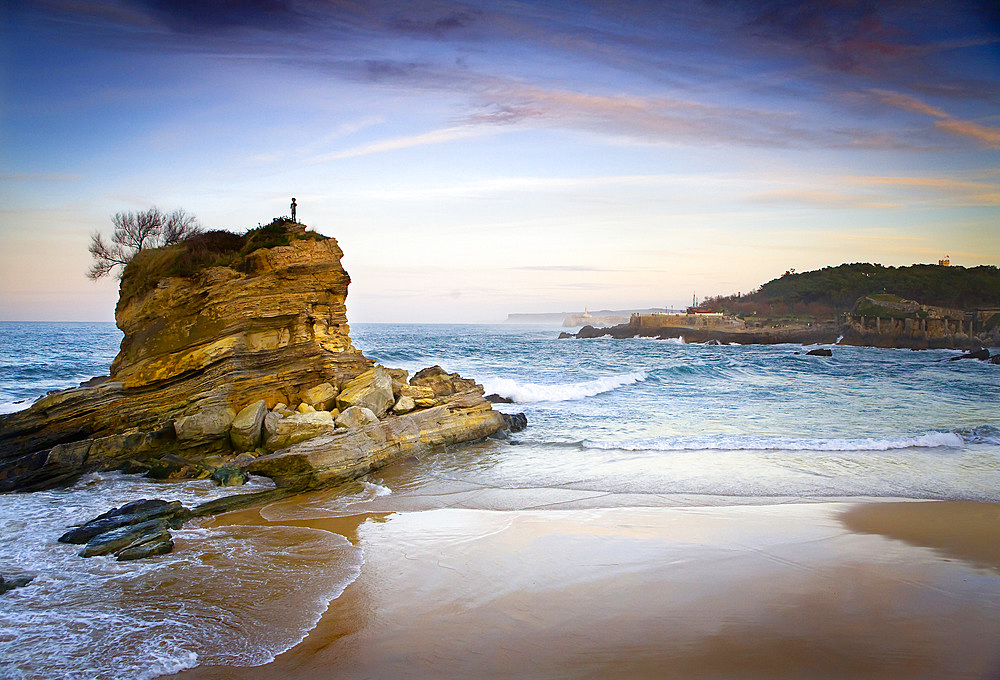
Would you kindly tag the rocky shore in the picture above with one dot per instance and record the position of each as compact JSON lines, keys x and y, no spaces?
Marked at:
{"x":888,"y":335}
{"x":244,"y":366}
{"x":806,"y":335}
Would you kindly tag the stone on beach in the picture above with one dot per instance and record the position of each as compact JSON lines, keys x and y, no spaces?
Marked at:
{"x":11,"y":582}
{"x":372,"y":389}
{"x":404,"y":405}
{"x":126,"y":536}
{"x":246,"y":430}
{"x":205,"y":424}
{"x":322,"y":397}
{"x":298,"y":428}
{"x":356,"y":416}
{"x":128,"y":515}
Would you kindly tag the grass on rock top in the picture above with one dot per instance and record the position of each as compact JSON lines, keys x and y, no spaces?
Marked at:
{"x":207,"y":249}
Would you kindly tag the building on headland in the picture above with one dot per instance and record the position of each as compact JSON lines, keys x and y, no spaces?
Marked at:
{"x":687,"y":320}
{"x":946,"y":262}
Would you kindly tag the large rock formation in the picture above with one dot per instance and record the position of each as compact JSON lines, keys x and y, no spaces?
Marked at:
{"x":202,"y":349}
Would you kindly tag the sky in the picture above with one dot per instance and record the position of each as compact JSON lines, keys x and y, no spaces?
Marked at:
{"x":485,"y":158}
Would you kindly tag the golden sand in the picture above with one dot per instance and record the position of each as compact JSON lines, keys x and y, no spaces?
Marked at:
{"x":806,"y":590}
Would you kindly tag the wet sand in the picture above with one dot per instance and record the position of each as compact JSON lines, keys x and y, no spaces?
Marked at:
{"x":817,"y":590}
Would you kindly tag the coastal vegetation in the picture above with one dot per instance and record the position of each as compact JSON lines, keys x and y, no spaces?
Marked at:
{"x":824,"y":294}
{"x":198,"y":251}
{"x":135,"y":232}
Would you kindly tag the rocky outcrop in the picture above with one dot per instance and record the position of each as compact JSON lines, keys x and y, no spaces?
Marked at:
{"x":226,"y":365}
{"x":807,"y":335}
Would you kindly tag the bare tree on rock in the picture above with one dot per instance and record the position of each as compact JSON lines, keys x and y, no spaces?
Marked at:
{"x":135,"y":232}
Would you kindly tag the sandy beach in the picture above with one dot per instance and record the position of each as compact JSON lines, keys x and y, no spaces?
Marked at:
{"x":845,"y":589}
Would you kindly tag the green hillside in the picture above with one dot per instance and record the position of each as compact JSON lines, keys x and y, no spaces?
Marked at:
{"x":824,"y":293}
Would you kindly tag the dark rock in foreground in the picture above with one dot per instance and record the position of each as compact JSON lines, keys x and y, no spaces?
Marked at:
{"x":130,"y":514}
{"x":980,"y":354}
{"x":497,"y":399}
{"x":11,"y":582}
{"x":157,"y":546}
{"x":820,"y":352}
{"x":118,"y":539}
{"x":516,"y":421}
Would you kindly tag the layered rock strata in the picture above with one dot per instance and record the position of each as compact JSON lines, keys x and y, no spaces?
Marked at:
{"x":225,"y":366}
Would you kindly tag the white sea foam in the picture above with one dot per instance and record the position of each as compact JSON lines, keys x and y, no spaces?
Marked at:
{"x":526,"y":392}
{"x":98,"y":618}
{"x":14,"y":406}
{"x":752,"y":443}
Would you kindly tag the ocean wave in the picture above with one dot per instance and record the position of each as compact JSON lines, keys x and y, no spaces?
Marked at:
{"x":525,"y":392}
{"x":929,"y":440}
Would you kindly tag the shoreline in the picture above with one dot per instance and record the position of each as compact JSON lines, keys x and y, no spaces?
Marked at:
{"x":820,"y":334}
{"x":866,"y":588}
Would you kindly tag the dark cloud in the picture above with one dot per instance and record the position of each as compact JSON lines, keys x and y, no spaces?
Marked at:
{"x":436,"y":26}
{"x":201,"y":16}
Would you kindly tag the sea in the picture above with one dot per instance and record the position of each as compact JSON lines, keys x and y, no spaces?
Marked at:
{"x":637,"y":422}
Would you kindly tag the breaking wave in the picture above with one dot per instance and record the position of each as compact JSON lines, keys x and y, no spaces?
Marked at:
{"x":756,"y":443}
{"x":526,"y":392}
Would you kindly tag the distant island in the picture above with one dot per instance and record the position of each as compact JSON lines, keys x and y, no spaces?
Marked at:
{"x":919,"y":307}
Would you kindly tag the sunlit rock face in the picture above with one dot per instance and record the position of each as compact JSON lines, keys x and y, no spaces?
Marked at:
{"x":198,"y":349}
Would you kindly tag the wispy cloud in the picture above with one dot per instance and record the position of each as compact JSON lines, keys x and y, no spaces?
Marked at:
{"x":985,"y":135}
{"x":952,"y":191}
{"x":440,"y":136}
{"x":816,"y":198}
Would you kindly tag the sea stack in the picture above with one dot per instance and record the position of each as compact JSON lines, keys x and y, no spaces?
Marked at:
{"x":212,"y":327}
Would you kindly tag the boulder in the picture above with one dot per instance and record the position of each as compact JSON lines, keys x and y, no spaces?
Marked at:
{"x":372,"y":389}
{"x":404,"y":405}
{"x":356,"y":416}
{"x":515,"y":421}
{"x":305,"y":408}
{"x":982,"y":354}
{"x":130,"y":514}
{"x":156,"y":546}
{"x":497,"y":399}
{"x":423,"y":397}
{"x":321,"y":397}
{"x":246,"y":430}
{"x":298,"y":428}
{"x":821,"y":352}
{"x":205,"y":424}
{"x":346,"y":454}
{"x":399,"y":377}
{"x":126,"y":536}
{"x":442,"y":382}
{"x":270,"y":424}
{"x":229,"y":475}
{"x":11,"y":582}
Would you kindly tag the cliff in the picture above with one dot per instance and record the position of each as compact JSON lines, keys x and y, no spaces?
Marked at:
{"x":218,"y":332}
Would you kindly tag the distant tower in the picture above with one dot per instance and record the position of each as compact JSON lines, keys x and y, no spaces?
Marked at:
{"x":946,"y":262}
{"x":586,"y":314}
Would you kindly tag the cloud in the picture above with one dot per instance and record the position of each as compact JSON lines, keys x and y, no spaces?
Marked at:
{"x":955,"y":192}
{"x":989,"y":136}
{"x":813,"y":198}
{"x":985,"y":135}
{"x":440,"y":136}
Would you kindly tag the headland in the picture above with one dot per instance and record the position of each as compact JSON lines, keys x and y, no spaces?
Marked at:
{"x":237,"y":360}
{"x":850,"y":304}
